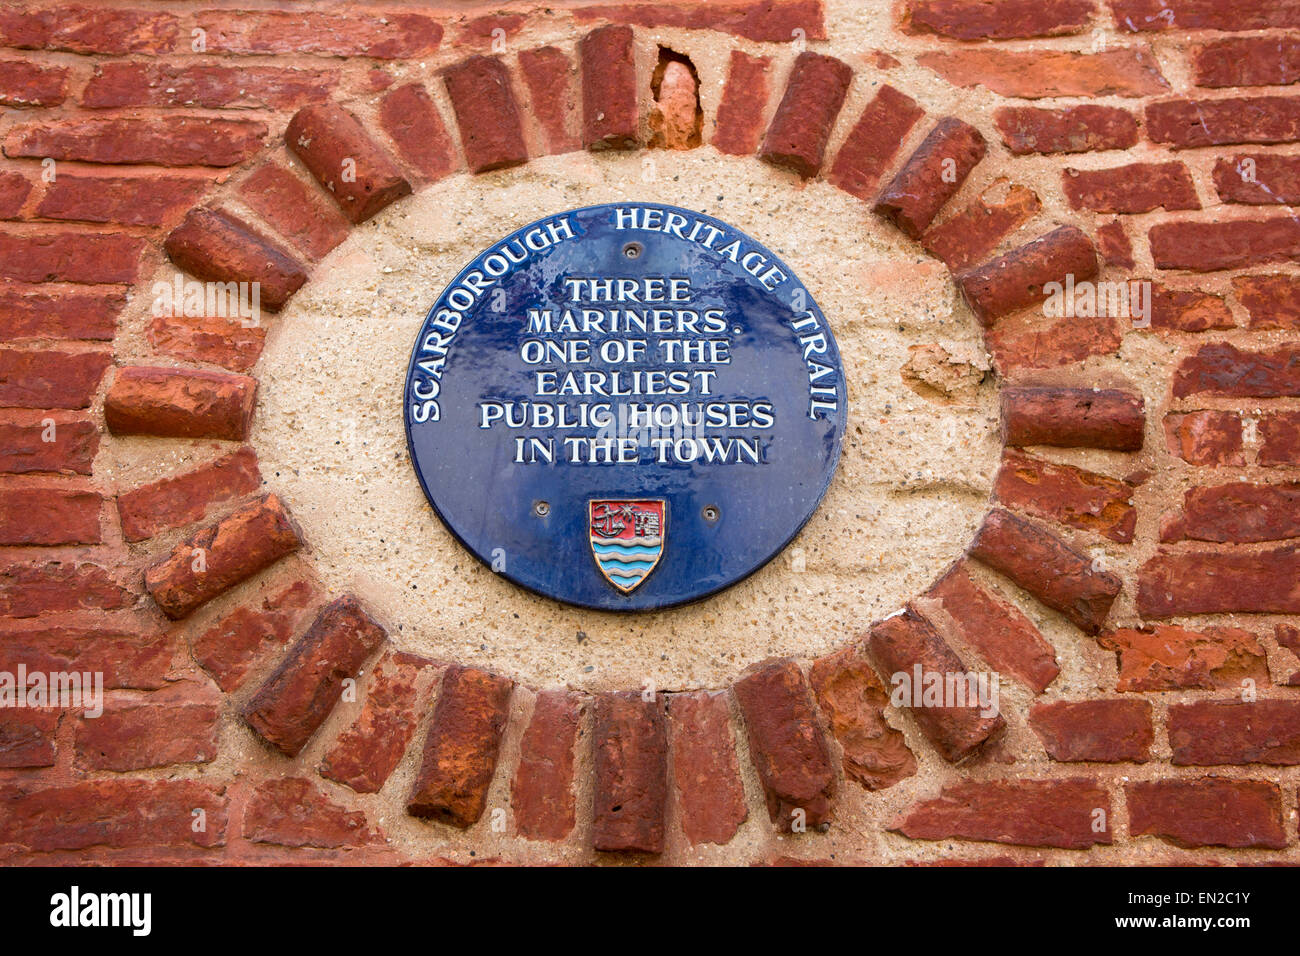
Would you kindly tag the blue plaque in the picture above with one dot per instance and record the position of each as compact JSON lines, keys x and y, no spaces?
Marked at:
{"x":625,"y":407}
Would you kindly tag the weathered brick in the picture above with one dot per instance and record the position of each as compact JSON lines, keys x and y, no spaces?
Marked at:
{"x":217,"y":558}
{"x":1114,"y":246}
{"x":230,"y":343}
{"x":412,"y":121}
{"x":739,"y":123}
{"x":1247,"y":61}
{"x":1009,"y":20}
{"x":49,"y":516}
{"x":50,"y":379}
{"x":801,"y":126}
{"x":1188,"y":310}
{"x":294,"y":701}
{"x":1279,"y":439}
{"x":1073,"y":129}
{"x":59,"y":255}
{"x":1186,"y":123}
{"x":966,"y":238}
{"x":179,"y":141}
{"x":710,"y":795}
{"x":229,"y":648}
{"x":30,"y":313}
{"x":291,"y":812}
{"x":1273,"y":301}
{"x":335,"y":147}
{"x":486,"y":114}
{"x":1207,"y":812}
{"x":541,"y":795}
{"x":1030,"y":341}
{"x":1127,"y":71}
{"x":215,"y":246}
{"x":27,"y":737}
{"x":609,"y":99}
{"x":172,"y":403}
{"x":296,"y":211}
{"x":1147,"y":15}
{"x":462,"y":746}
{"x":759,"y":20}
{"x":1137,"y":187}
{"x":630,"y":798}
{"x":137,"y":735}
{"x":852,"y":699}
{"x":931,"y":176}
{"x":185,"y":498}
{"x":1017,"y":279}
{"x":369,"y":750}
{"x":1052,"y":813}
{"x":30,"y":84}
{"x":382,"y":35}
{"x":88,"y":29}
{"x":127,"y":658}
{"x":1234,"y":732}
{"x":1214,"y":582}
{"x":873,"y":142}
{"x":1106,"y":731}
{"x":1259,"y":179}
{"x":1066,"y":417}
{"x":1227,"y":244}
{"x":119,"y":85}
{"x":1047,"y":568}
{"x":1165,"y":657}
{"x":133,"y":201}
{"x":1224,"y":369}
{"x":548,"y":74}
{"x":995,"y":629}
{"x":1068,"y":495}
{"x":29,"y":588}
{"x":1205,"y":437}
{"x":1238,"y":512}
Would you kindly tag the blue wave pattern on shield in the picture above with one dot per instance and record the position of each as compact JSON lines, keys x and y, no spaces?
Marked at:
{"x":627,"y":539}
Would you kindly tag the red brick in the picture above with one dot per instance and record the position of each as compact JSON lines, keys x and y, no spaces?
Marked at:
{"x":541,"y":795}
{"x":1137,"y":187}
{"x":1066,"y":417}
{"x":1240,"y":512}
{"x":177,"y":141}
{"x":480,"y":30}
{"x":1273,"y":301}
{"x":1208,"y":812}
{"x":338,"y":151}
{"x":759,"y":20}
{"x":50,"y":379}
{"x":1047,"y":568}
{"x":1017,"y":279}
{"x":415,"y":125}
{"x":229,"y":343}
{"x":1068,"y":495}
{"x":30,"y":84}
{"x":24,"y":448}
{"x":630,"y":782}
{"x":296,"y":698}
{"x":235,"y":548}
{"x":462,"y":747}
{"x":1106,"y":731}
{"x":931,"y":176}
{"x":183,"y":499}
{"x":69,"y":256}
{"x":1165,"y":657}
{"x":1209,"y":732}
{"x":905,"y":643}
{"x":27,"y":737}
{"x":1053,"y":813}
{"x":229,"y":648}
{"x":118,"y":85}
{"x":1146,"y":15}
{"x":1128,"y":71}
{"x":1028,"y":341}
{"x":1260,"y":179}
{"x":137,"y":735}
{"x":873,"y":142}
{"x":215,"y":246}
{"x":995,"y":629}
{"x":291,"y":812}
{"x":739,"y":123}
{"x":487,"y":116}
{"x":1241,"y":119}
{"x":14,"y":190}
{"x":852,"y":700}
{"x":1224,"y":369}
{"x":113,"y":813}
{"x":48,"y":516}
{"x":296,"y":211}
{"x":39,"y":587}
{"x":172,"y":403}
{"x":127,"y":658}
{"x":1205,"y":438}
{"x":1279,"y":438}
{"x":1230,"y":244}
{"x":133,"y":201}
{"x":1073,"y":129}
{"x":1114,"y":245}
{"x":966,"y":238}
{"x":1209,"y":582}
{"x":1008,"y":20}
{"x":60,"y":315}
{"x":367,"y":752}
{"x":801,"y":126}
{"x":88,"y":29}
{"x":1187,"y":310}
{"x":1247,"y":61}
{"x":710,"y":795}
{"x":381,"y":35}
{"x":609,"y":89}
{"x":548,"y":74}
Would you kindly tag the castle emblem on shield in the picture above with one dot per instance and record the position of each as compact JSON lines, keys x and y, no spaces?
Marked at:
{"x":627,"y":538}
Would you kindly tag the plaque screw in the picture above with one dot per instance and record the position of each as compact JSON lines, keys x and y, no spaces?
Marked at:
{"x":632,"y":250}
{"x":710,"y":514}
{"x":542,"y":508}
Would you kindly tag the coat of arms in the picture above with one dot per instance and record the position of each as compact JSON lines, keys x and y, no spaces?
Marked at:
{"x":627,"y":538}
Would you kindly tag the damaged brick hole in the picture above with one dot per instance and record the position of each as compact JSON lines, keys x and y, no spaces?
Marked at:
{"x":677,"y":121}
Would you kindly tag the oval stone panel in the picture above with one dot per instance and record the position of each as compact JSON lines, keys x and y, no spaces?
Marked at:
{"x":625,"y":407}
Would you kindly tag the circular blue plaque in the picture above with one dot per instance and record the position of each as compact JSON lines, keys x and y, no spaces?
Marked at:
{"x":625,"y":407}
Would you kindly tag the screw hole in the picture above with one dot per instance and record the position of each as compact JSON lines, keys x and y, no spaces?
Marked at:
{"x":633,"y":250}
{"x":542,"y":508}
{"x":711,"y":513}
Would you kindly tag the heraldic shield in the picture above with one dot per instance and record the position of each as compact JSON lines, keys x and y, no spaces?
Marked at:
{"x":627,"y":538}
